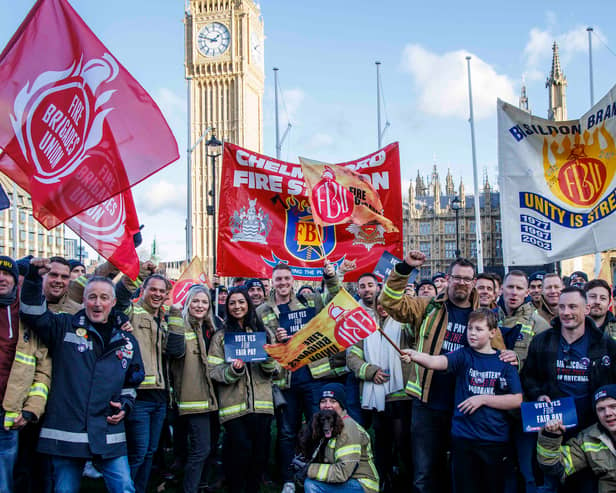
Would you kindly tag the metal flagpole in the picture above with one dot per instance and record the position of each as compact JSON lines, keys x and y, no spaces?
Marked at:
{"x":592,"y":102}
{"x":278,"y":145}
{"x":15,"y":219}
{"x":475,"y":173}
{"x":378,"y":105}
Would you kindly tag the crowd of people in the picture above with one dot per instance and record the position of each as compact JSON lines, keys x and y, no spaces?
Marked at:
{"x":97,"y":371}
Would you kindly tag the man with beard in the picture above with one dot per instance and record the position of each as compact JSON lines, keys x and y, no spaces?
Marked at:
{"x":440,"y":325}
{"x":256,"y":291}
{"x":535,"y":286}
{"x":367,"y":290}
{"x":552,"y":286}
{"x":599,"y":296}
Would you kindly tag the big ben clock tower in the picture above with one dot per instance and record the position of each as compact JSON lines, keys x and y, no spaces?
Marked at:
{"x":224,"y":68}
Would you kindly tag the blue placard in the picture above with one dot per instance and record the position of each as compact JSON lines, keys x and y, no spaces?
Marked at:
{"x":385,"y":265}
{"x":247,"y":346}
{"x":295,"y":320}
{"x":536,"y":414}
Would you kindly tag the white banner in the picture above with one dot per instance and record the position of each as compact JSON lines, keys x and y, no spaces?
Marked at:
{"x":557,"y":183}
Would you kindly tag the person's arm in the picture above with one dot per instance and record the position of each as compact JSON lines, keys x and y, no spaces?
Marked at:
{"x":134,"y":375}
{"x":219,"y":370}
{"x":532,"y":376}
{"x":558,"y":460}
{"x":176,"y":341}
{"x":503,"y":402}
{"x":332,"y":282}
{"x":431,"y":362}
{"x":357,"y":364}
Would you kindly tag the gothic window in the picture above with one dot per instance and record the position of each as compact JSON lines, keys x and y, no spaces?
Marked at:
{"x":424,"y":228}
{"x":425,"y":272}
{"x":499,"y":248}
{"x":425,"y":247}
{"x":450,"y":249}
{"x":474,"y":249}
{"x":471,"y":227}
{"x":497,"y":227}
{"x":450,"y":228}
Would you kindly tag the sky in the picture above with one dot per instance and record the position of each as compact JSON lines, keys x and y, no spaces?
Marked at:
{"x":326,"y":53}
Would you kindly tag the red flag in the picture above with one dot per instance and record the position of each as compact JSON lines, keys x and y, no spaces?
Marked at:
{"x":76,"y":128}
{"x":340,"y":195}
{"x":109,"y":228}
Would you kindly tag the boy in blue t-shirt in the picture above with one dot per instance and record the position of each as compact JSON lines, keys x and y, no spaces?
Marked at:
{"x":485,"y":388}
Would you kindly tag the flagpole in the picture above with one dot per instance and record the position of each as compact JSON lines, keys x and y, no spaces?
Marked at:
{"x":475,"y":173}
{"x":378,"y":106}
{"x":278,"y":146}
{"x":388,"y":339}
{"x":592,"y":103}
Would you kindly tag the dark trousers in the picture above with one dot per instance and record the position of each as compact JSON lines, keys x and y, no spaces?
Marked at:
{"x":199,"y":447}
{"x":33,"y":473}
{"x":244,"y":456}
{"x":302,"y":401}
{"x":479,"y":466}
{"x":430,"y":442}
{"x":392,"y":441}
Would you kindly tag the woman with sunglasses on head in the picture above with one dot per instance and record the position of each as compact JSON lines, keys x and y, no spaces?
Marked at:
{"x":245,"y":398}
{"x":190,"y":333}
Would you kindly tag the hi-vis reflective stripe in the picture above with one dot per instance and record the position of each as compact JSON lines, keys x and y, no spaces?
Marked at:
{"x":369,"y":484}
{"x":64,"y":436}
{"x":149,"y":380}
{"x":227,"y":411}
{"x":38,"y":389}
{"x":24,"y":358}
{"x":567,"y":460}
{"x":354,"y":449}
{"x":9,"y":419}
{"x":320,"y":370}
{"x":177,"y":321}
{"x":332,"y":443}
{"x":527,"y":329}
{"x":323,"y":472}
{"x":392,"y":293}
{"x":114,"y":438}
{"x":190,"y":336}
{"x":362,"y":371}
{"x":193,"y":405}
{"x":215,"y":360}
{"x":413,"y":388}
{"x":129,"y":391}
{"x":270,"y":316}
{"x":594,"y":447}
{"x":547,"y":453}
{"x":264,"y":405}
{"x":357,"y":351}
{"x":139,"y":310}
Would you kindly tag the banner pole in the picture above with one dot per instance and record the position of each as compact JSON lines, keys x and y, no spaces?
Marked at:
{"x":388,"y":339}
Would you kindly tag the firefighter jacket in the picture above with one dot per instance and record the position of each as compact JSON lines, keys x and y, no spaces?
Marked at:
{"x":591,"y":448}
{"x":240,"y":392}
{"x":348,"y":456}
{"x":429,"y":318}
{"x":268,"y":312}
{"x":609,"y":326}
{"x":87,"y":375}
{"x":520,"y":327}
{"x":364,"y":370}
{"x":545,"y":311}
{"x":150,"y":332}
{"x":187,"y":351}
{"x":30,"y":378}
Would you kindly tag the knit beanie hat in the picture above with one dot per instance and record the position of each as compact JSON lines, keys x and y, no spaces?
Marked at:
{"x":603,"y":392}
{"x":9,"y":265}
{"x":334,"y":391}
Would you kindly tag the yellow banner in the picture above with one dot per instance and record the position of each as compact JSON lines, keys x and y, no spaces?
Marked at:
{"x":193,"y":274}
{"x":339,"y":325}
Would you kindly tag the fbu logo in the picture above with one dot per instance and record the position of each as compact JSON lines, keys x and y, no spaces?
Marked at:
{"x":333,"y":202}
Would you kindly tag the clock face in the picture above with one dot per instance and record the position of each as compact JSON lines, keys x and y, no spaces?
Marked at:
{"x":256,"y":49}
{"x":213,"y":39}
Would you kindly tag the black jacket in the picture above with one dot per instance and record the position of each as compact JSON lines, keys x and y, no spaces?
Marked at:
{"x":539,"y":373}
{"x":87,"y":375}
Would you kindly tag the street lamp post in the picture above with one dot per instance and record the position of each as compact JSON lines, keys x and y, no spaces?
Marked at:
{"x":213,"y":147}
{"x":456,"y":205}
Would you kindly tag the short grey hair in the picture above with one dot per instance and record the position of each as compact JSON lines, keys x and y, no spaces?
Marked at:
{"x":100,"y":279}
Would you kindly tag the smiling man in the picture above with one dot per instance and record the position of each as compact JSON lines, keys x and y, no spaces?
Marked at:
{"x":96,"y":369}
{"x":56,"y":287}
{"x":486,"y":288}
{"x":552,"y":286}
{"x":599,"y":297}
{"x":440,"y":325}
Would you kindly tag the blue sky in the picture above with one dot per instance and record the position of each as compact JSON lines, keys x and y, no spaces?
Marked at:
{"x":326,"y":52}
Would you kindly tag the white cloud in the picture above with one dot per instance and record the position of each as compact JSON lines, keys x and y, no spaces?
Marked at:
{"x":291,"y":102}
{"x":538,"y":49}
{"x":442,"y":82}
{"x":161,"y":196}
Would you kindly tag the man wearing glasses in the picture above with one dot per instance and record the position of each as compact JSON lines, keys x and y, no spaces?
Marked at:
{"x":440,"y":324}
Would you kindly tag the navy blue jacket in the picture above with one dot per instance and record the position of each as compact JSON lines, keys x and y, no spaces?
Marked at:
{"x":86,"y":376}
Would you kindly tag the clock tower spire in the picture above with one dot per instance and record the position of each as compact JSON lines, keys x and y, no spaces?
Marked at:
{"x":224,"y":70}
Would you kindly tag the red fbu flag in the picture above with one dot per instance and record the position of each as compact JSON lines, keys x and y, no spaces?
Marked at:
{"x":109,"y":227}
{"x":76,"y":127}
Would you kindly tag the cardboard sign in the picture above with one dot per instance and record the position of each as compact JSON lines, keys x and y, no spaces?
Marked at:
{"x":247,"y":346}
{"x":385,"y":265}
{"x":536,"y":414}
{"x":295,"y":320}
